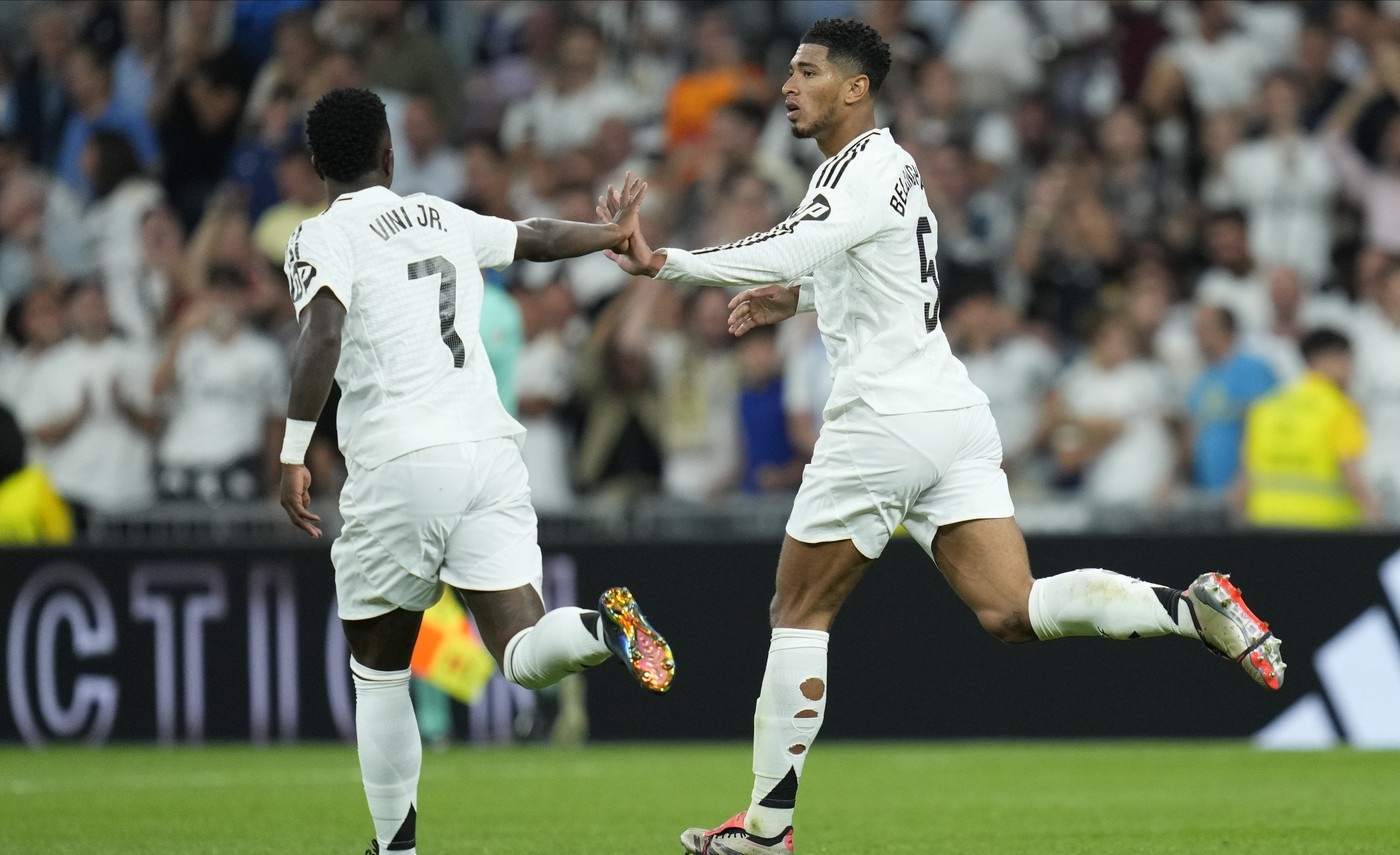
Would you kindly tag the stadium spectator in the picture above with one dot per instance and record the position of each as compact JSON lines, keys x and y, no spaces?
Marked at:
{"x":40,"y":237}
{"x":35,"y":325}
{"x":698,"y":376}
{"x":254,"y":162}
{"x":620,"y":439}
{"x":1212,"y":65}
{"x":87,"y":410}
{"x":142,"y":56}
{"x":1219,"y":399}
{"x":301,"y":196}
{"x":570,"y":105}
{"x":1016,"y":371}
{"x":731,"y":147}
{"x":31,"y":511}
{"x":424,"y":163}
{"x":1144,"y":200}
{"x":486,"y":176}
{"x":1233,"y":279}
{"x":1378,"y":387}
{"x":1107,"y":421}
{"x":296,"y":50}
{"x":198,"y":127}
{"x":122,"y":199}
{"x":1321,"y":86}
{"x":88,"y":77}
{"x":934,"y":113}
{"x":1285,"y":182}
{"x":719,"y":75}
{"x":1162,"y":321}
{"x":226,"y":387}
{"x":544,"y":384}
{"x":408,"y":60}
{"x":37,"y":105}
{"x":976,"y":227}
{"x":991,"y":48}
{"x":1304,"y":445}
{"x":1373,"y":187}
{"x":1067,"y":239}
{"x":771,"y":464}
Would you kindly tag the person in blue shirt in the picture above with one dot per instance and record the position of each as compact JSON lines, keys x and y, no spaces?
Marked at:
{"x":88,"y":76}
{"x":1220,"y":397}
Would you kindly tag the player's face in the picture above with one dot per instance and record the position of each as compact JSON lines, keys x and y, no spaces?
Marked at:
{"x":812,"y":91}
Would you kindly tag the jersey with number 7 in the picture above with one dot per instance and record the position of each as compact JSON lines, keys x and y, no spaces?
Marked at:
{"x":413,"y":372}
{"x":866,"y":236}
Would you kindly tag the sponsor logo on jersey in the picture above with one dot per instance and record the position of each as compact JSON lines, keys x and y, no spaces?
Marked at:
{"x":303,"y":272}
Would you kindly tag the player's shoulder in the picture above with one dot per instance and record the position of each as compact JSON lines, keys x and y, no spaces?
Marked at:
{"x":863,"y":159}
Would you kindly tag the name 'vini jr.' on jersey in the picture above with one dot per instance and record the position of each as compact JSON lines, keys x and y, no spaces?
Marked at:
{"x":395,"y":220}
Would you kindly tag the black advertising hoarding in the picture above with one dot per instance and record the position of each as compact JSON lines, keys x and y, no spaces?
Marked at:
{"x":106,"y":646}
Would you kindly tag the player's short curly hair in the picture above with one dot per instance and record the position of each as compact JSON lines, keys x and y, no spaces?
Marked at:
{"x":854,"y":42}
{"x":343,"y":130}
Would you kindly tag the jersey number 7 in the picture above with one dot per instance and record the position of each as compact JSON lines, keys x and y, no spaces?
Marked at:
{"x":447,"y":301}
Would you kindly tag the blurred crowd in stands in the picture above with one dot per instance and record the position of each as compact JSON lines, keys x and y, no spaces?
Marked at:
{"x":1144,"y":208}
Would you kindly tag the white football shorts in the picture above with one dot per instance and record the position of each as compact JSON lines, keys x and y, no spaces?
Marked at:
{"x":458,"y":515}
{"x":870,"y":473}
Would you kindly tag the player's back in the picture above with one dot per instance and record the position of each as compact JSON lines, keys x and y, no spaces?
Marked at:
{"x":412,"y":370}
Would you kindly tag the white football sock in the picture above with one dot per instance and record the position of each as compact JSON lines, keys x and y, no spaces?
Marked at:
{"x":560,"y":644}
{"x":789,"y":713}
{"x":391,"y":754}
{"x":1100,"y":602}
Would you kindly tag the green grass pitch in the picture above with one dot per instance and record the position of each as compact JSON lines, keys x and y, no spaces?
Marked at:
{"x":863,"y":799}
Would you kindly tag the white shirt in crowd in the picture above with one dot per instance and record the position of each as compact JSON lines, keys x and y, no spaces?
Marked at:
{"x":105,"y":462}
{"x":1220,"y":75}
{"x":545,"y":369}
{"x":557,"y":123}
{"x":1015,"y":374}
{"x":867,"y":236}
{"x":224,"y":395}
{"x":136,"y":297}
{"x":1377,"y":389}
{"x":441,"y":173}
{"x":413,"y":372}
{"x":1286,"y":188}
{"x":1139,"y":462}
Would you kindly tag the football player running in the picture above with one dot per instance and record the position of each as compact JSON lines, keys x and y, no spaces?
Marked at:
{"x":388,"y":292}
{"x":906,"y":439}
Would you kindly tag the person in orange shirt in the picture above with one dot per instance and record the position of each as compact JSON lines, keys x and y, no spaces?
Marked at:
{"x":720,"y":76}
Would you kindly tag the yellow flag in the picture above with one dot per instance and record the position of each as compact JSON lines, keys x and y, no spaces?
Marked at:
{"x":449,"y":654}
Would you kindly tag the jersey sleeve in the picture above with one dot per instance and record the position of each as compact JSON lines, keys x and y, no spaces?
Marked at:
{"x":493,"y":239}
{"x":828,"y":223}
{"x":318,"y":257}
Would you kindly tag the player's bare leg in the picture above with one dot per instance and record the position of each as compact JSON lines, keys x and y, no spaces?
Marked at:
{"x":813,"y":581}
{"x":538,"y":648}
{"x":985,"y":562}
{"x":386,"y":732}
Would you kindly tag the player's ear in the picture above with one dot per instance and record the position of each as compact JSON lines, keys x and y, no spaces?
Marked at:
{"x":388,"y":164}
{"x":316,"y":166}
{"x":857,"y":87}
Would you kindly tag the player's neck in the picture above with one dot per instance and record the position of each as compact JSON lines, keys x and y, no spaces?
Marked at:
{"x":336,"y":189}
{"x":838,"y":137}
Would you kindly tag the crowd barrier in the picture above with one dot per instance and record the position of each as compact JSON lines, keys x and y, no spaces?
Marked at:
{"x":242,"y":645}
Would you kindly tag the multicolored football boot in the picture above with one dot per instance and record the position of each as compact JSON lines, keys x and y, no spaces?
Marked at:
{"x":640,"y":649}
{"x":1229,"y":628}
{"x":730,"y":838}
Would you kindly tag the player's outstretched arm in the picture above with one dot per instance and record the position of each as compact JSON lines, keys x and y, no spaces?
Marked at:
{"x":542,"y":239}
{"x":313,"y":372}
{"x":759,"y":307}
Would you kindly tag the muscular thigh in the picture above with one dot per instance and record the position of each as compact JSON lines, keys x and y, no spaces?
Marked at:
{"x":985,"y":562}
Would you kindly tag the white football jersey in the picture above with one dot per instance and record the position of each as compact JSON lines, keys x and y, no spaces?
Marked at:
{"x":413,"y":372}
{"x":866,"y":235}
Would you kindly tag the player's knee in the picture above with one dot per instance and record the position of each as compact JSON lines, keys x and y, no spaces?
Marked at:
{"x":1009,"y":625}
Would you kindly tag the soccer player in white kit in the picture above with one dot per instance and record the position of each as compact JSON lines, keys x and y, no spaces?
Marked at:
{"x":388,"y":291}
{"x":907,"y":438}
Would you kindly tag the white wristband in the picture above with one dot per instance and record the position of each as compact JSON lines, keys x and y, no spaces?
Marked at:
{"x":295,"y":441}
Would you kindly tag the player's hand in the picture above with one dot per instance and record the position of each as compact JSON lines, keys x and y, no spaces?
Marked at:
{"x":296,"y":498}
{"x":758,"y":307}
{"x":623,"y":208}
